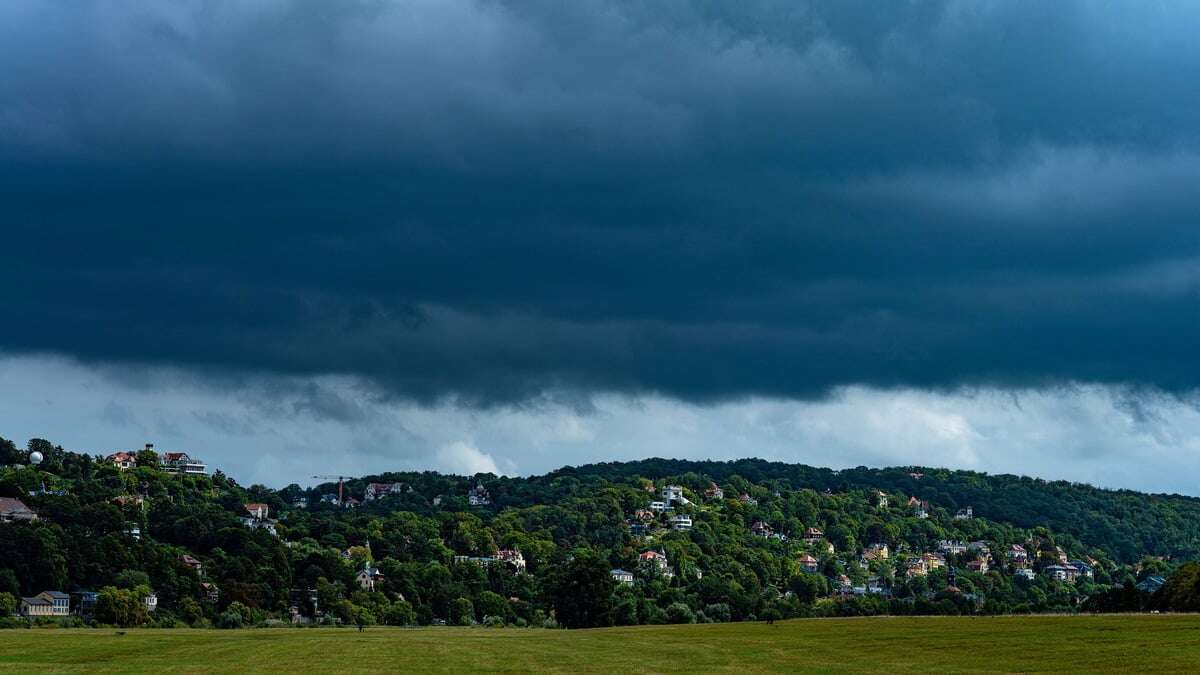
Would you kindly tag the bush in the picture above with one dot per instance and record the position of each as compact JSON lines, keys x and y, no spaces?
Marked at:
{"x":493,"y":621}
{"x":229,"y":619}
{"x":718,"y":612}
{"x":679,"y":612}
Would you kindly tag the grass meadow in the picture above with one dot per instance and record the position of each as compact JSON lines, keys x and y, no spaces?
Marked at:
{"x":1111,"y":643}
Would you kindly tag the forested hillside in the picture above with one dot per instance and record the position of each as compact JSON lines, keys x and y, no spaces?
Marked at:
{"x":623,"y":543}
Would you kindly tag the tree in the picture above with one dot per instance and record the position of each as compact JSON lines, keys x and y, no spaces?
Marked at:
{"x":8,"y":604}
{"x":491,"y":604}
{"x":581,"y":591}
{"x":122,"y":606}
{"x":147,"y":457}
{"x":462,"y":612}
{"x":400,"y":613}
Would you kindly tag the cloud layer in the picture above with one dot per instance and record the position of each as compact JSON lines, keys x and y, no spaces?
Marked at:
{"x":489,"y":201}
{"x":1102,"y":435}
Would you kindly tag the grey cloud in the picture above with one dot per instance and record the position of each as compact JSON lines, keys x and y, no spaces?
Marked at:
{"x":493,"y":203}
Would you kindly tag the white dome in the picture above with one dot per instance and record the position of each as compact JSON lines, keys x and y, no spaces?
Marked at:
{"x":35,"y":457}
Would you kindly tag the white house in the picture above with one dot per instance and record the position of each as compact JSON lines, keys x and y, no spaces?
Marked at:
{"x":964,"y":514}
{"x":951,"y":547}
{"x":656,"y":561}
{"x":380,"y":490}
{"x":478,"y":496}
{"x":658,"y":507}
{"x":674,"y":493}
{"x":681,"y":522}
{"x":151,"y":602}
{"x":367,"y":577}
{"x":622,"y":576}
{"x":181,"y":463}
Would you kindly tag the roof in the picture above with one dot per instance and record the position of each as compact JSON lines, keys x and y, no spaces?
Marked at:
{"x":620,"y":571}
{"x":13,"y":505}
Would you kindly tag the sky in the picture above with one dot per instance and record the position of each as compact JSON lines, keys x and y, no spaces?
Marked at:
{"x":302,"y":237}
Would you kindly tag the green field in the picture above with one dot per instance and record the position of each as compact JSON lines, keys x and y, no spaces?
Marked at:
{"x":1108,"y":643}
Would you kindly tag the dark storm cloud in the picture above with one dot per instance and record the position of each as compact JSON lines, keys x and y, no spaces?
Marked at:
{"x":489,"y":200}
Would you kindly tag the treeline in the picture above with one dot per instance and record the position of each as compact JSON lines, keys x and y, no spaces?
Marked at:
{"x":433,"y":557}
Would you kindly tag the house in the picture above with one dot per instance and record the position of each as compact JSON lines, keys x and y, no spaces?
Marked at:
{"x":964,"y":514}
{"x":1151,"y":584}
{"x":674,"y":493}
{"x":915,"y":567}
{"x":760,"y":529}
{"x":916,"y":475}
{"x":129,"y":500}
{"x":979,"y":547}
{"x":881,"y":499}
{"x":367,"y":577}
{"x":874,"y":551}
{"x":259,"y":511}
{"x":46,"y":603}
{"x":210,"y":593}
{"x":656,"y":562}
{"x":714,"y":492}
{"x":933,"y":561}
{"x":512,"y":557}
{"x":1025,"y":573}
{"x":644,"y":515}
{"x":193,"y":563}
{"x":638,"y":529}
{"x":12,"y":509}
{"x":122,"y":460}
{"x":260,"y":524}
{"x":808,"y":563}
{"x":478,"y":496}
{"x":980,"y":566}
{"x":300,"y":503}
{"x":1017,"y":555}
{"x":85,"y":603}
{"x":658,"y":507}
{"x":920,"y":507}
{"x":134,"y":531}
{"x":747,"y":499}
{"x":350,"y":503}
{"x":844,"y":585}
{"x":681,"y":522}
{"x":1085,"y":569}
{"x":951,"y":547}
{"x":813,"y":535}
{"x":329,"y":498}
{"x":181,"y":463}
{"x":876,"y":586}
{"x":150,"y":601}
{"x":380,"y":490}
{"x":621,"y":576}
{"x":1061,"y":572}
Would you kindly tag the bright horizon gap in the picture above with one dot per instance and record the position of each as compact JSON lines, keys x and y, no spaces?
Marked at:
{"x":257,"y":427}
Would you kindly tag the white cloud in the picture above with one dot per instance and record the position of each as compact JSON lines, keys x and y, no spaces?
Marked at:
{"x":282,"y":430}
{"x":463,"y":458}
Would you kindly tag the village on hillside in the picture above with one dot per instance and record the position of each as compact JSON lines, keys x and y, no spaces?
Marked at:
{"x":853,"y":547}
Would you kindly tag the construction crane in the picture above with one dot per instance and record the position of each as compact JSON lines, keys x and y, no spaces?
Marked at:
{"x":341,"y":486}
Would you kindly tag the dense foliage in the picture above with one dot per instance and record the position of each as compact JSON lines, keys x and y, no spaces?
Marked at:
{"x":432,"y":556}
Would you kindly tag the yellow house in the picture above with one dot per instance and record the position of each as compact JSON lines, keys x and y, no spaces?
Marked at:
{"x":47,"y":603}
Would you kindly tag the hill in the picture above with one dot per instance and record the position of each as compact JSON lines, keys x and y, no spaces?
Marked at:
{"x":657,"y":541}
